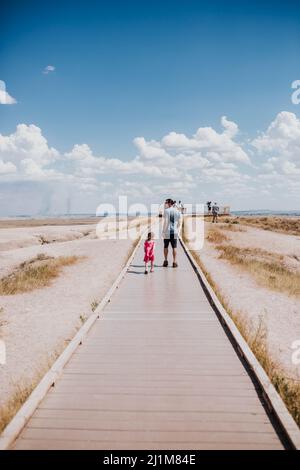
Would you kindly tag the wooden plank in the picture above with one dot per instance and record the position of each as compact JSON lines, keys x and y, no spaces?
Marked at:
{"x":162,"y":423}
{"x":157,"y":416}
{"x":150,"y":390}
{"x":213,"y":383}
{"x":64,"y":444}
{"x":140,"y":403}
{"x":196,"y":437}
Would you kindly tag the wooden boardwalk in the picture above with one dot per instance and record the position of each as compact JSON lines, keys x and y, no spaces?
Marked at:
{"x":157,"y":371}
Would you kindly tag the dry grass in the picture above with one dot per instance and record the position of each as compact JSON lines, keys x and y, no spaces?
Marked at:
{"x":1,"y":320}
{"x":83,"y":318}
{"x":94,"y":304}
{"x":34,"y":274}
{"x":216,"y":236}
{"x":233,"y":227}
{"x":289,"y":225}
{"x":8,"y":411}
{"x":43,"y":240}
{"x":288,"y":388}
{"x":267,"y":268}
{"x":24,"y":389}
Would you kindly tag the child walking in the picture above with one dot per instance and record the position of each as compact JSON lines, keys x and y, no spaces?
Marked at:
{"x":149,"y":247}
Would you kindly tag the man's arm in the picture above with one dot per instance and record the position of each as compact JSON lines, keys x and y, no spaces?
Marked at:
{"x":165,"y":225}
{"x":179,"y":223}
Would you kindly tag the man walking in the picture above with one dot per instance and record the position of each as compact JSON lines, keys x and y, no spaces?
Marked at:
{"x":171,"y":228}
{"x":215,"y":212}
{"x":180,"y":207}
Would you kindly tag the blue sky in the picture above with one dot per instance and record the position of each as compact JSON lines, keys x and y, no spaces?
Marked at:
{"x":127,"y":69}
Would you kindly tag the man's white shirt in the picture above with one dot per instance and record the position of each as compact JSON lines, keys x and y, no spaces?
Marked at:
{"x":172,"y":222}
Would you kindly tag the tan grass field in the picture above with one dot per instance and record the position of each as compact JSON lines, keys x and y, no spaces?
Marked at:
{"x":288,"y":225}
{"x":35,"y":273}
{"x":267,"y":268}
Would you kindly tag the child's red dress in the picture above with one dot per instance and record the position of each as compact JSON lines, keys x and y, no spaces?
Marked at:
{"x":149,"y":251}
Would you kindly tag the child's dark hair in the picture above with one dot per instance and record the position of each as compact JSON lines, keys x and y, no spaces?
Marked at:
{"x":149,"y":235}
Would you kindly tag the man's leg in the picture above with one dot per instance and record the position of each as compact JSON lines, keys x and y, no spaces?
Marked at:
{"x":166,"y":250}
{"x":174,"y":255}
{"x":174,"y":249}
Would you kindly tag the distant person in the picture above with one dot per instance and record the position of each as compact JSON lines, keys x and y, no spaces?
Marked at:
{"x":149,"y":247}
{"x":208,"y":207}
{"x":180,"y":207}
{"x":171,"y":228}
{"x":215,"y":212}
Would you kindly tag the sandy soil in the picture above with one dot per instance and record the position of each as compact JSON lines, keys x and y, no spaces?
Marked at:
{"x":37,"y":325}
{"x":279,"y":312}
{"x":12,"y":238}
{"x":20,"y":233}
{"x":13,"y":222}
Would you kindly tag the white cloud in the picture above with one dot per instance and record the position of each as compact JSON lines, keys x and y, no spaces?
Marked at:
{"x":231,"y":128}
{"x":210,"y":142}
{"x":80,"y":152}
{"x":48,"y":69}
{"x":280,"y":144}
{"x":5,"y":97}
{"x":27,"y":142}
{"x":164,"y":160}
{"x":7,"y":167}
{"x":207,"y":164}
{"x":149,"y":150}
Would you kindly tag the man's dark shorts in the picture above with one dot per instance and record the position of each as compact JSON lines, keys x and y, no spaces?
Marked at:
{"x":172,"y":240}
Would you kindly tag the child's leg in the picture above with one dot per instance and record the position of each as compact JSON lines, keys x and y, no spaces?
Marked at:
{"x":146,"y":267}
{"x":152,"y":266}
